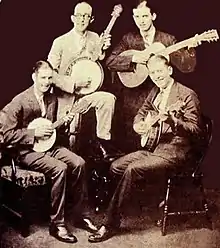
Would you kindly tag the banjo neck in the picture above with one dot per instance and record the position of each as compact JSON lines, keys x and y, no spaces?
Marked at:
{"x":77,"y":107}
{"x":111,"y":24}
{"x":115,"y":14}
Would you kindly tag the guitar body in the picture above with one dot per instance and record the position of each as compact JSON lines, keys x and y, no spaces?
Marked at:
{"x":136,"y":78}
{"x":42,"y":145}
{"x":85,"y":69}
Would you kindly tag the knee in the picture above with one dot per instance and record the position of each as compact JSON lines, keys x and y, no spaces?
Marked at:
{"x":108,"y":98}
{"x":116,"y":168}
{"x":80,"y":163}
{"x":60,"y":168}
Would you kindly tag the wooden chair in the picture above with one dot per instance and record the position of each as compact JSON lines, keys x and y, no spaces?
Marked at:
{"x":194,"y":175}
{"x":19,"y":188}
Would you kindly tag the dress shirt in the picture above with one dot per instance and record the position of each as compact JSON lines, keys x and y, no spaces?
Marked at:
{"x":161,"y":99}
{"x":40,"y":100}
{"x":149,"y":36}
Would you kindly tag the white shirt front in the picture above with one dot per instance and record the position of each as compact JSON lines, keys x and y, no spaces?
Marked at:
{"x":164,"y":97}
{"x":149,"y":36}
{"x":40,"y":100}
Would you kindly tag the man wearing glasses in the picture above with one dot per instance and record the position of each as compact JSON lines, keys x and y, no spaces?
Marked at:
{"x":78,"y":43}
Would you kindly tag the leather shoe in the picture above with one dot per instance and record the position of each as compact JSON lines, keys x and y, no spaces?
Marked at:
{"x":62,"y":234}
{"x":101,"y":235}
{"x":87,"y":225}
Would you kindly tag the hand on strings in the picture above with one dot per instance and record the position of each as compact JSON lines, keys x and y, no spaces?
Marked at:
{"x":141,"y":57}
{"x":43,"y":131}
{"x":141,"y":127}
{"x":83,"y":82}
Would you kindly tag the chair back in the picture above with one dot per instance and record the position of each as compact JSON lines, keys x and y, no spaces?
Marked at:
{"x":203,"y":141}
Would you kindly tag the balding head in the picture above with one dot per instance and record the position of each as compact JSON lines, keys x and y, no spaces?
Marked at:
{"x":82,"y":17}
{"x":83,"y":7}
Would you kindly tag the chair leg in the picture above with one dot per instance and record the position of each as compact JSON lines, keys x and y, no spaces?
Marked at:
{"x":205,"y":204}
{"x":25,"y":223}
{"x":165,"y":211}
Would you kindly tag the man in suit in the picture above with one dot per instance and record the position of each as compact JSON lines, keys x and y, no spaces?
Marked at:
{"x":120,"y":60}
{"x":144,"y":17}
{"x":37,"y":101}
{"x":77,"y":43}
{"x":178,"y":127}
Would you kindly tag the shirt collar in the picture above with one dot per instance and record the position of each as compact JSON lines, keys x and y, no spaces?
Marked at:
{"x":149,"y":35}
{"x":79,"y":36}
{"x":167,"y":89}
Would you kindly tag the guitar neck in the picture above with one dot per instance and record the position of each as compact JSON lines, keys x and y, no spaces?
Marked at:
{"x":178,"y":45}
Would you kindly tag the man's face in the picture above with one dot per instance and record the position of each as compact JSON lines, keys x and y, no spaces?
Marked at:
{"x":160,"y":73}
{"x":143,"y":18}
{"x":82,"y":17}
{"x":43,"y":79}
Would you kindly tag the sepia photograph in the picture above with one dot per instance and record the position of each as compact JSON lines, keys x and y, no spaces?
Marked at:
{"x":109,"y":123}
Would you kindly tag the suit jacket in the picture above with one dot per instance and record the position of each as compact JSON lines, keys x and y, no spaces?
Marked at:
{"x":16,"y":116}
{"x":176,"y":143}
{"x":184,"y":60}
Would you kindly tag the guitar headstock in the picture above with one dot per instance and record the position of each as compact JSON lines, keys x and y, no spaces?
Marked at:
{"x":210,"y":35}
{"x":117,"y":10}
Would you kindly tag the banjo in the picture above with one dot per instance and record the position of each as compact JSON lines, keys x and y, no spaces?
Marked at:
{"x":136,"y":78}
{"x":151,"y":138}
{"x":45,"y":143}
{"x":87,"y":69}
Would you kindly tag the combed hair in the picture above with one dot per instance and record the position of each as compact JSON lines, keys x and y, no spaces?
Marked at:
{"x":158,"y":57}
{"x":41,"y":64}
{"x":147,"y":3}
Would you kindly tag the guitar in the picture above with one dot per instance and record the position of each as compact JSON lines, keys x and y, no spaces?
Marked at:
{"x":136,"y":78}
{"x":45,"y":143}
{"x":87,"y":68}
{"x":151,"y":138}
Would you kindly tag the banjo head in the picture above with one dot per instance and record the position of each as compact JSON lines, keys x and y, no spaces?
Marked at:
{"x":42,"y":145}
{"x":84,"y":69}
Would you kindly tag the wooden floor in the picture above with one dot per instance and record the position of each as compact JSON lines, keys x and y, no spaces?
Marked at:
{"x":137,"y":230}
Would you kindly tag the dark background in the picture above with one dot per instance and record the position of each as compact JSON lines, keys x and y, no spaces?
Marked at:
{"x":28,"y":27}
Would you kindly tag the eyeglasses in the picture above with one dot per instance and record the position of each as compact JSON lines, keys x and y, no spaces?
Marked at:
{"x":85,"y":16}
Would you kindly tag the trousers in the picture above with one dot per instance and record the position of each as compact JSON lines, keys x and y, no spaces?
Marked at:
{"x":55,"y":164}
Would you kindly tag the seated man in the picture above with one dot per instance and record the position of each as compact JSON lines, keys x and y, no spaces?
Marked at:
{"x":169,"y":116}
{"x":37,"y":101}
{"x":66,"y":49}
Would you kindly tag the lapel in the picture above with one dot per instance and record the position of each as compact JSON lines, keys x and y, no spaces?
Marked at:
{"x":152,"y":95}
{"x":34,"y":106}
{"x":137,"y":42}
{"x":32,"y":100}
{"x":158,"y":36}
{"x":50,"y":106}
{"x":174,"y":95}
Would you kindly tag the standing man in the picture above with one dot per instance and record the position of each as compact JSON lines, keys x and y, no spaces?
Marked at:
{"x":137,"y":43}
{"x":178,"y":127}
{"x":77,"y":43}
{"x":35,"y":102}
{"x":144,"y":17}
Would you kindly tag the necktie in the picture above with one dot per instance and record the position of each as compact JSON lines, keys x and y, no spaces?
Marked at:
{"x":42,"y":106}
